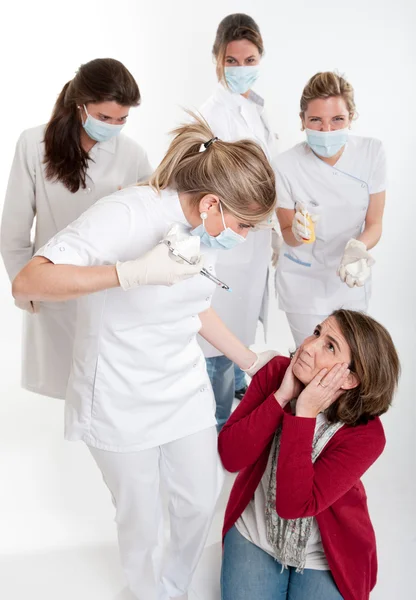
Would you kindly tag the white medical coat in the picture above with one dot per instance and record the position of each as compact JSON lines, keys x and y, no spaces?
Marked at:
{"x":306,"y":275}
{"x":232,"y":117}
{"x":138,"y":377}
{"x":48,"y":335}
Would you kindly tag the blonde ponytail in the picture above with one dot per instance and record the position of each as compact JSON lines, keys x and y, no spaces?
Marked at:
{"x":237,"y":172}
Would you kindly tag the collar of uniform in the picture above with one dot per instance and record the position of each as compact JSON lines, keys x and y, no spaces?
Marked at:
{"x":108,"y":146}
{"x":237,"y":100}
{"x":172,"y":208}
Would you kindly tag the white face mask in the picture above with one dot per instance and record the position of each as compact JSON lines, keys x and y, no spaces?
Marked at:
{"x":326,"y":143}
{"x":99,"y":131}
{"x":224,"y":241}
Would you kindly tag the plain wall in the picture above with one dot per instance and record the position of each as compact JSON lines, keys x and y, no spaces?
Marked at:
{"x":51,"y":495}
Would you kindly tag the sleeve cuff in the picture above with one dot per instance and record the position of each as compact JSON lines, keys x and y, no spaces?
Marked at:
{"x":60,"y":253}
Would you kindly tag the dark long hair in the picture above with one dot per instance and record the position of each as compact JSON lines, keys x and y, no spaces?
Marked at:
{"x":100,"y":80}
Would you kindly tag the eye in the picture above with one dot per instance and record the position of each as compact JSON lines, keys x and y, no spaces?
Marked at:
{"x":331,"y":347}
{"x":314,"y":119}
{"x":339,"y":119}
{"x":229,"y":61}
{"x":103,"y":118}
{"x":250,"y":60}
{"x":244,"y":226}
{"x":316,"y":333}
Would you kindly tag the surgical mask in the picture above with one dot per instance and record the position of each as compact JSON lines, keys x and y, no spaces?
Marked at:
{"x":226,"y":240}
{"x":326,"y":143}
{"x":241,"y":79}
{"x":99,"y":131}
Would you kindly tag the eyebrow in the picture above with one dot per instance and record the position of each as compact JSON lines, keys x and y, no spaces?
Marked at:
{"x":234,"y":58}
{"x":316,"y":117}
{"x":109,"y":117}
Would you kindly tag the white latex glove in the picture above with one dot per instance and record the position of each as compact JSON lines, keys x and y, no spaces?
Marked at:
{"x":262,"y":359}
{"x":156,"y":267}
{"x":356,"y":264}
{"x":277,"y":241}
{"x":300,"y":225}
{"x":30,"y":307}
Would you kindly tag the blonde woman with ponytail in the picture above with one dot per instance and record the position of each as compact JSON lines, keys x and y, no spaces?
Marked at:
{"x":59,"y":170}
{"x":139,"y":394}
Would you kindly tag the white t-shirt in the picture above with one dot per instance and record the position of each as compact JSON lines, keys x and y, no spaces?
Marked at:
{"x":138,"y":377}
{"x":252,"y":523}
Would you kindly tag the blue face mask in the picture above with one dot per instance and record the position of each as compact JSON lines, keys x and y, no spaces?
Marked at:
{"x":224,"y":241}
{"x":99,"y":131}
{"x":241,"y":79}
{"x":326,"y":143}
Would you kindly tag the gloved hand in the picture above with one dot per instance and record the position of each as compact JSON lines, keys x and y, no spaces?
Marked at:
{"x":303,"y":224}
{"x":356,"y":264}
{"x":277,"y":241}
{"x":30,"y":307}
{"x":156,"y":267}
{"x":262,"y":359}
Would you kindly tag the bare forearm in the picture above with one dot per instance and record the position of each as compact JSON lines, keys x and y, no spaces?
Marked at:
{"x":217,"y":333}
{"x":371,"y":235}
{"x":42,"y":280}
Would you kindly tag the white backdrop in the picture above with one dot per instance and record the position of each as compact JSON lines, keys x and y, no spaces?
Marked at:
{"x":51,"y":496}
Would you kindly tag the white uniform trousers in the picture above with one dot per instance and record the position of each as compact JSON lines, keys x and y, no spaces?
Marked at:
{"x":302,"y":326}
{"x":192,"y":474}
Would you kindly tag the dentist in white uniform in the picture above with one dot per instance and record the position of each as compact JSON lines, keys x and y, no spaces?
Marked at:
{"x":59,"y":170}
{"x":139,"y":395}
{"x":339,"y":180}
{"x":235,"y":112}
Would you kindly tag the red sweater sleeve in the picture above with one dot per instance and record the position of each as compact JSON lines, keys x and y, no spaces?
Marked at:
{"x":254,"y":422}
{"x":303,"y":488}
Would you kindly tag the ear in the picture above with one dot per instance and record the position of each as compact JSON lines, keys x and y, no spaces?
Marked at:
{"x":351,"y":382}
{"x":302,"y":121}
{"x":209,"y":202}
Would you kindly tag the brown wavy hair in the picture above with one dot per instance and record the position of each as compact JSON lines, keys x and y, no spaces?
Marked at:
{"x":100,"y":80}
{"x":376,"y":364}
{"x":232,"y":28}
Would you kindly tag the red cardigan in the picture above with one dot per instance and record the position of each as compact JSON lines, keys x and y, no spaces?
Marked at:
{"x":330,"y":489}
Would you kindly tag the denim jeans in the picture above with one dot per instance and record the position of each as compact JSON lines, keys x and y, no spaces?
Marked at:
{"x":249,"y":573}
{"x":221,"y":373}
{"x":240,"y":378}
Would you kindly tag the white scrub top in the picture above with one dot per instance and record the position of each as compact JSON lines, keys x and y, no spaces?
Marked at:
{"x":306,"y":275}
{"x":48,"y":335}
{"x":233,"y":117}
{"x":138,"y":377}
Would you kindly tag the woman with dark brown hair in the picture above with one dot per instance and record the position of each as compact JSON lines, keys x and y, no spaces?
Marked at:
{"x":59,"y":170}
{"x":297,"y":524}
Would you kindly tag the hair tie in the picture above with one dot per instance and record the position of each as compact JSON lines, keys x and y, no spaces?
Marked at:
{"x":209,"y":142}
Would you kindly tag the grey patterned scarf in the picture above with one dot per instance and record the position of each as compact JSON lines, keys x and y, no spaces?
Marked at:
{"x":289,"y":537}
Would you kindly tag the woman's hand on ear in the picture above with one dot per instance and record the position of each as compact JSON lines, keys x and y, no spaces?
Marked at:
{"x":322,"y":391}
{"x":290,"y":387}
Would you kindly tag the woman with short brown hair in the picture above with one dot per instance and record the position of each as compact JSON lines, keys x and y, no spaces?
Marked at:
{"x":297,"y":524}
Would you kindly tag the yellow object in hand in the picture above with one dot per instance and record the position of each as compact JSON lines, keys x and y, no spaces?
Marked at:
{"x":311,"y":227}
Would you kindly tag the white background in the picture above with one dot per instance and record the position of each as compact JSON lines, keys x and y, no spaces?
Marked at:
{"x":52,"y":501}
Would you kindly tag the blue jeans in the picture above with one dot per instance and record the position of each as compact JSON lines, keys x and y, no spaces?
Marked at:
{"x":249,"y":573}
{"x":221,"y":373}
{"x":240,"y":378}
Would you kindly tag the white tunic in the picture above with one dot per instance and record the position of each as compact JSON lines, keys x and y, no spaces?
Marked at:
{"x":48,"y":335}
{"x":306,"y":275}
{"x":244,"y":268}
{"x":138,"y":377}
